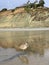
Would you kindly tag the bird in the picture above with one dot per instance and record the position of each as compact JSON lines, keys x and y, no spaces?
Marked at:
{"x":23,"y":46}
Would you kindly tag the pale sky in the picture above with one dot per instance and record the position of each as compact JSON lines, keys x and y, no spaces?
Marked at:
{"x":10,"y":4}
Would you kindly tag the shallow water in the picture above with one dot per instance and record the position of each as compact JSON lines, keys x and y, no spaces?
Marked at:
{"x":36,"y":54}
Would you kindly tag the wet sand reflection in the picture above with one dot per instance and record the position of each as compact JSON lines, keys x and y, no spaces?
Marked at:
{"x":38,"y":51}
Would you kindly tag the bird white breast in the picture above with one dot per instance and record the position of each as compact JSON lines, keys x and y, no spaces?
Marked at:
{"x":23,"y":47}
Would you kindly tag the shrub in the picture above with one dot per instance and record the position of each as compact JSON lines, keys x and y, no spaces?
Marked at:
{"x":41,"y":2}
{"x":27,"y":8}
{"x":13,"y":10}
{"x":4,"y":9}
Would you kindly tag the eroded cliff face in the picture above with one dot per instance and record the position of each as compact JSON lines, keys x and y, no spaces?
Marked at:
{"x":20,"y":18}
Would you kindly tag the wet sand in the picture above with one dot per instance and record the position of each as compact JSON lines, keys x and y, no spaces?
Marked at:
{"x":37,"y":53}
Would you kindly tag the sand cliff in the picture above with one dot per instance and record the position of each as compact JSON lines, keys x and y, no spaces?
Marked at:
{"x":20,"y":18}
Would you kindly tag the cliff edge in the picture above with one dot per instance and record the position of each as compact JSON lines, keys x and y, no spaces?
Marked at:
{"x":19,"y":17}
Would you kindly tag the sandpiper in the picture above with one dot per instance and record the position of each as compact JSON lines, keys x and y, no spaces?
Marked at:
{"x":23,"y":46}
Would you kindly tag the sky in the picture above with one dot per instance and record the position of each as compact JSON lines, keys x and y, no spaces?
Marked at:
{"x":10,"y":4}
